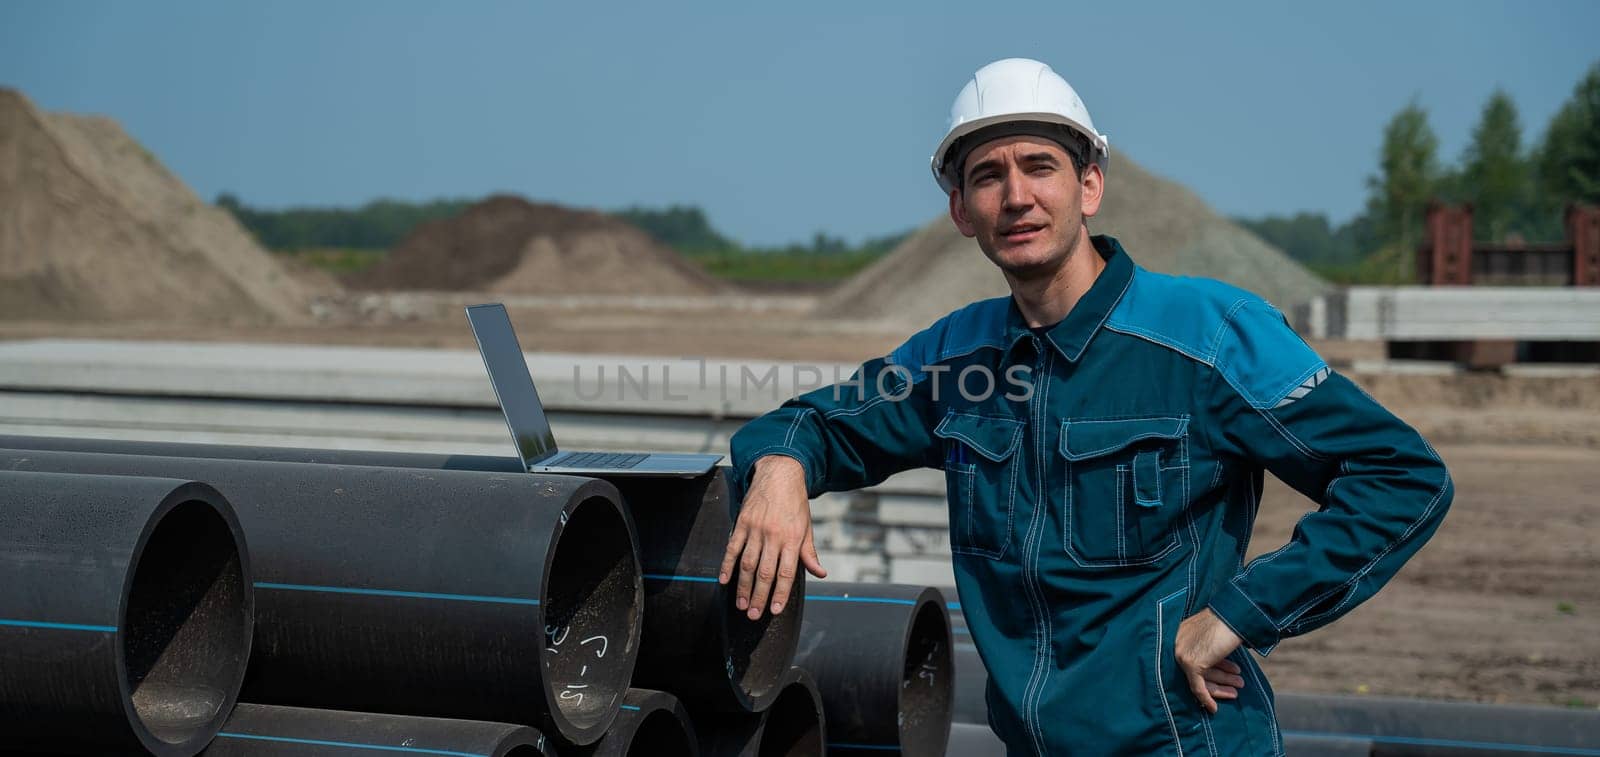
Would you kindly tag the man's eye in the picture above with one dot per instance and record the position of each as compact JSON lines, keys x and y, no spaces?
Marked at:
{"x":1040,"y":170}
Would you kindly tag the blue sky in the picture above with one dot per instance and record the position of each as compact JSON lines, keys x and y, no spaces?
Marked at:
{"x":779,"y":120}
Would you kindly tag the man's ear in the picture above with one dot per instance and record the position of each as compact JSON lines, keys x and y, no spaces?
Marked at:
{"x":1093,"y":185}
{"x":958,"y":213}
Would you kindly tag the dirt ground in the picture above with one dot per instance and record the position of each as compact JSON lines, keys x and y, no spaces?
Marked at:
{"x":1503,"y":605}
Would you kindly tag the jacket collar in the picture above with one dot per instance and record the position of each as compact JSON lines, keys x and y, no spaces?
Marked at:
{"x":1072,"y":334}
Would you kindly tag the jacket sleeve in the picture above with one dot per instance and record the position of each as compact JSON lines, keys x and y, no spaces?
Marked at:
{"x":1381,"y":489}
{"x":849,"y":435}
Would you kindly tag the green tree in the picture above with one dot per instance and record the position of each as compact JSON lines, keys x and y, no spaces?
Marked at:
{"x":1407,"y":179}
{"x":1494,"y":174}
{"x":1568,"y":161}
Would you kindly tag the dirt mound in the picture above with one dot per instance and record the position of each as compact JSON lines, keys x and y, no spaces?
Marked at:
{"x":508,"y":245}
{"x":93,"y":227}
{"x":1163,"y":225}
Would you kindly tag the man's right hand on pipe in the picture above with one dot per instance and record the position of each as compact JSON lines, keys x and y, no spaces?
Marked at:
{"x":772,"y":534}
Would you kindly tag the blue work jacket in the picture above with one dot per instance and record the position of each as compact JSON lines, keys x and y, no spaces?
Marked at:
{"x":1105,"y":488}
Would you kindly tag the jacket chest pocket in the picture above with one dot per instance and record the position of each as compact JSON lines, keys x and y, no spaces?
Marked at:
{"x":980,"y":469}
{"x":1127,"y":483}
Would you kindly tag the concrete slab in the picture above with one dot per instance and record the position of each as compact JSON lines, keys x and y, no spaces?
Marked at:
{"x":912,"y":510}
{"x":921,"y":571}
{"x":612,"y":383}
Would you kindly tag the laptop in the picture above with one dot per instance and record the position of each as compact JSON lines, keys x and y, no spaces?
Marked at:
{"x":530,"y":429}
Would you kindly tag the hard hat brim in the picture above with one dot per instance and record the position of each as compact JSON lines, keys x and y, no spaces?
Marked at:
{"x":945,"y":174}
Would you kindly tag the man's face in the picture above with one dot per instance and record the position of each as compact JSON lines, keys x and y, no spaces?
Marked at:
{"x":1022,"y":201}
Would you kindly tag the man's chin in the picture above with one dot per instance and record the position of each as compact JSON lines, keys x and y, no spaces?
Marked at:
{"x":1025,"y":264}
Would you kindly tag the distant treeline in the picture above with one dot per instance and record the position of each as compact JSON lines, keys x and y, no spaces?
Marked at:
{"x":377,"y":225}
{"x":1515,"y":190}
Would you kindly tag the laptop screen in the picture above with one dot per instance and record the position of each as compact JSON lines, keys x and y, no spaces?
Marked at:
{"x":513,"y":385}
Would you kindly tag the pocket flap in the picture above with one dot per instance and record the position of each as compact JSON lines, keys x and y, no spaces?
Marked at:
{"x":991,"y":436}
{"x":1081,"y":440}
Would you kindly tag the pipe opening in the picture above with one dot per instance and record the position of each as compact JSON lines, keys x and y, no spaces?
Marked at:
{"x":592,"y":603}
{"x":793,"y":725}
{"x":926,"y":684}
{"x":760,"y":651}
{"x":186,"y":626}
{"x":660,"y":733}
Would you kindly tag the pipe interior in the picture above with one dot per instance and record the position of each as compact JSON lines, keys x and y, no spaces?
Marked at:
{"x":759,"y":651}
{"x":592,"y":603}
{"x":926,"y":684}
{"x":793,"y":726}
{"x":186,"y":625}
{"x":661,"y":733}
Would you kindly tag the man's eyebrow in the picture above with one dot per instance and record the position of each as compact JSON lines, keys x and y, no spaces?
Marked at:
{"x":1040,"y":157}
{"x":982,"y":166}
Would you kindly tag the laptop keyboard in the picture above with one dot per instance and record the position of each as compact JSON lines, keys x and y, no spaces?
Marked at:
{"x":612,"y":460}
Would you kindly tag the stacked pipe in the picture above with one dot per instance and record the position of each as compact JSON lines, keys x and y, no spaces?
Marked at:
{"x":125,"y":614}
{"x":256,"y":730}
{"x":792,"y":725}
{"x":651,"y":723}
{"x":428,"y":593}
{"x":693,"y":642}
{"x":880,"y":653}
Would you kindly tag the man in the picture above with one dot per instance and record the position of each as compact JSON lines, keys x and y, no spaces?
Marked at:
{"x":1100,"y":506}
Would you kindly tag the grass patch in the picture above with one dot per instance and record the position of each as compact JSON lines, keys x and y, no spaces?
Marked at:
{"x":783,"y":266}
{"x":338,"y":260}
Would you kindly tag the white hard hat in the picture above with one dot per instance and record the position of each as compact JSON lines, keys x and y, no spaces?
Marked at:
{"x":1014,"y":90}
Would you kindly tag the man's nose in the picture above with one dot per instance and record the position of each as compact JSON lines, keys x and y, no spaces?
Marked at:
{"x":1017,"y":196}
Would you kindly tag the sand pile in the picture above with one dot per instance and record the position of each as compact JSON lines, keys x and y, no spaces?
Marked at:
{"x":508,"y":245}
{"x":92,"y":227}
{"x":1163,"y":226}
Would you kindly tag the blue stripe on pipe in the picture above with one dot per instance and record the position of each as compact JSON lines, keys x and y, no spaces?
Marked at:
{"x":952,"y":605}
{"x":635,"y":708}
{"x":57,"y":626}
{"x":875,"y":600}
{"x":670,"y":577}
{"x":959,"y":630}
{"x":880,"y":747}
{"x":1455,"y":743}
{"x":393,"y":593}
{"x":348,"y":745}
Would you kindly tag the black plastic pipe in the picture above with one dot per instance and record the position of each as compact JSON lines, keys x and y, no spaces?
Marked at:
{"x":483,"y":596}
{"x":1412,"y":727}
{"x":794,"y":726}
{"x":695,"y":642}
{"x":1303,"y":745}
{"x":258,"y":730}
{"x":972,"y":678}
{"x":125,"y":614}
{"x":881,"y":656}
{"x":651,"y":724}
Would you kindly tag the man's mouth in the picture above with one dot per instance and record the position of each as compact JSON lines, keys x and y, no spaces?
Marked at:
{"x":1021,"y":232}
